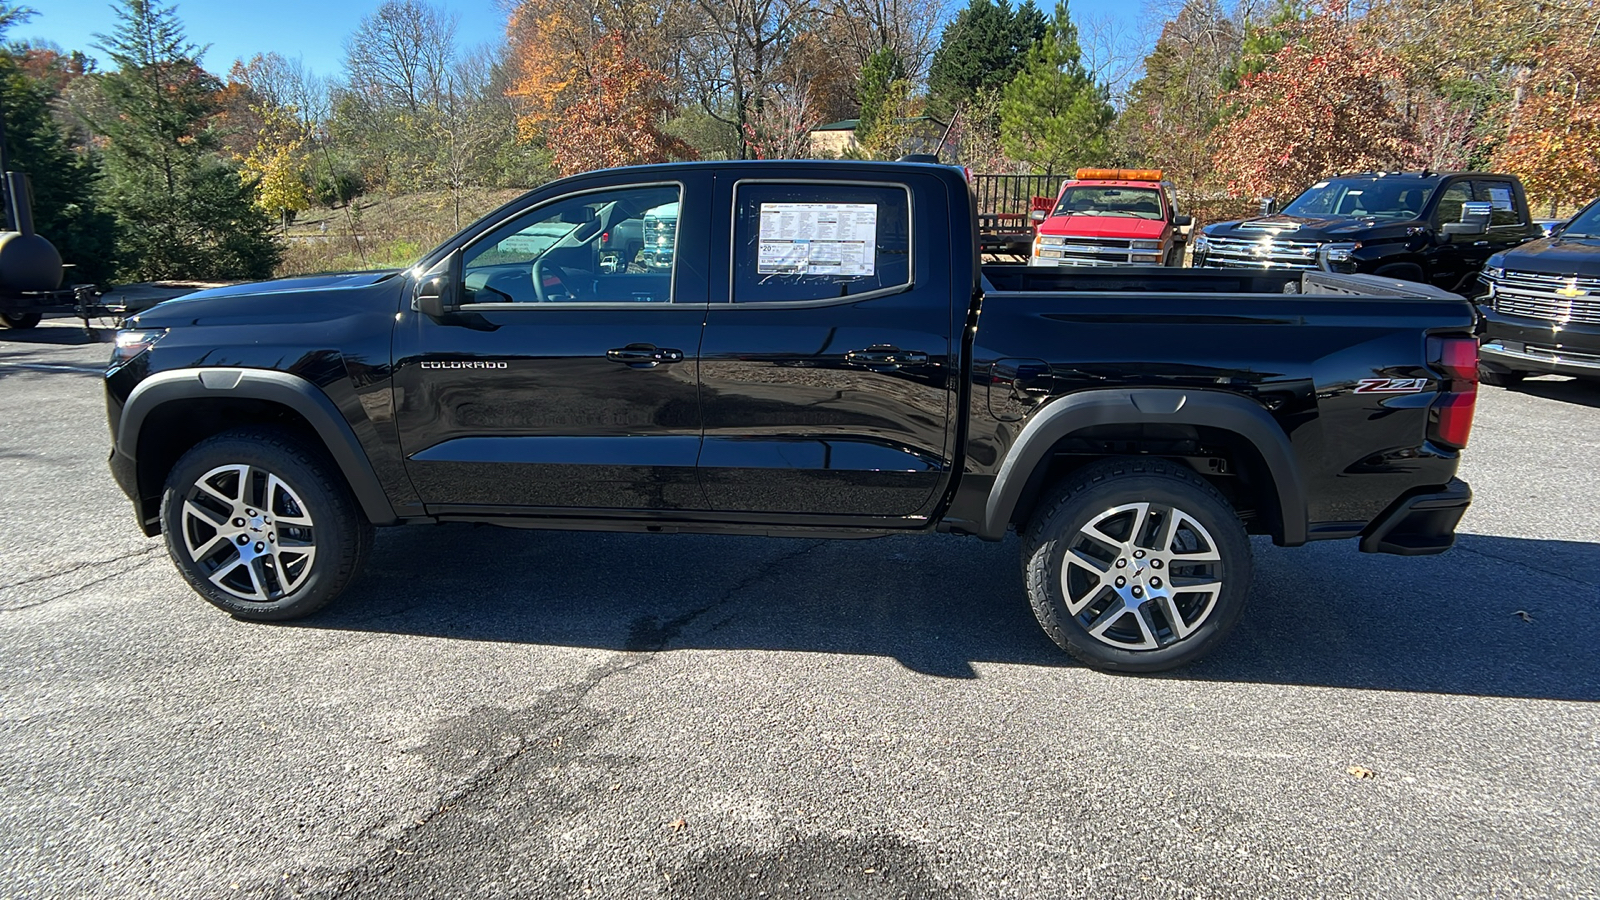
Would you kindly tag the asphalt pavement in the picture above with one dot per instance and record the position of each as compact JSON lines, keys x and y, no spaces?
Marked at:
{"x":495,"y":713}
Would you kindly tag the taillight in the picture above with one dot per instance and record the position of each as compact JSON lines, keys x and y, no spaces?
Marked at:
{"x":1450,"y":417}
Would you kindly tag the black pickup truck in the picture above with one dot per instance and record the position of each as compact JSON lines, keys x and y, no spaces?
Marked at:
{"x":1542,"y":310}
{"x":1437,"y":228}
{"x":823,"y":357}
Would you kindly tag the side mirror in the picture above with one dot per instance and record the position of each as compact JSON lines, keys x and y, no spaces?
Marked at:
{"x":1183,"y":221}
{"x":580,"y":216}
{"x":1269,"y":206}
{"x":1037,"y":216}
{"x":438,"y":291}
{"x":1474,"y":219}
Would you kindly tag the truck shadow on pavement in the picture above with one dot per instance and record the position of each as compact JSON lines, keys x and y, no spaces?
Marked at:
{"x":1497,"y":616}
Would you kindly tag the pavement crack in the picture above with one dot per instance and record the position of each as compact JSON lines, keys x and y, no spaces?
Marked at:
{"x":1509,"y":560}
{"x":382,"y":861}
{"x":647,"y":635}
{"x":141,"y":558}
{"x":561,"y":708}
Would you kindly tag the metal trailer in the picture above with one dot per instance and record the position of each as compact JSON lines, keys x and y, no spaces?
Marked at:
{"x":1005,"y":206}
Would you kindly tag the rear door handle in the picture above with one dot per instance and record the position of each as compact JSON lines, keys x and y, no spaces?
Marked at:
{"x":644,"y":356}
{"x":885,"y":357}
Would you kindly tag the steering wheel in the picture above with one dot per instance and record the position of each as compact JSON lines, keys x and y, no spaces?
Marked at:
{"x":540,"y":268}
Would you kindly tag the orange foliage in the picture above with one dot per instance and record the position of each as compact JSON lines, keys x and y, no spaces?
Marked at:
{"x":1555,"y":147}
{"x":614,"y":116}
{"x":1321,"y":107}
{"x":547,"y":55}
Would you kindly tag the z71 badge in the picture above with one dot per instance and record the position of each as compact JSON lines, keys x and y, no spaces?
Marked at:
{"x":1391,"y":385}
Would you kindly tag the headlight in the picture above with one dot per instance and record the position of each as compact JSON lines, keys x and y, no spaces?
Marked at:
{"x":1495,"y":268}
{"x":1146,"y":245}
{"x":1202,"y":244}
{"x":1337,"y":253}
{"x":1144,"y":257}
{"x":130,"y":343}
{"x":1048,"y":241}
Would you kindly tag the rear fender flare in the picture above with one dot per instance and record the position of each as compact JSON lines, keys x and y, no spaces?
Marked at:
{"x":281,"y":388}
{"x":1133,"y":406}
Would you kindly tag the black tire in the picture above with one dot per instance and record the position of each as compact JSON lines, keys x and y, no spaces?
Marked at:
{"x":259,"y":475}
{"x":1500,"y":377}
{"x":19,"y":321}
{"x":1402,"y":271}
{"x":1094,"y":495}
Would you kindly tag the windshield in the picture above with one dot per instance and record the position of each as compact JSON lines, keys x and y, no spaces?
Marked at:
{"x":1142,"y":203}
{"x":1381,"y":198}
{"x":1586,"y":224}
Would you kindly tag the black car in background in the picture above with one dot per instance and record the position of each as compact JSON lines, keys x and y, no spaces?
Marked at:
{"x":1542,"y":309}
{"x":1437,"y":228}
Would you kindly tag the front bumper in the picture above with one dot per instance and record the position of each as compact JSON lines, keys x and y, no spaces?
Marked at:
{"x":1421,"y":523}
{"x":1535,"y":345}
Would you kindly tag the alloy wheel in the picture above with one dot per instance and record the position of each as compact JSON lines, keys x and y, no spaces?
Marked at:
{"x":1141,"y":576}
{"x":249,"y":533}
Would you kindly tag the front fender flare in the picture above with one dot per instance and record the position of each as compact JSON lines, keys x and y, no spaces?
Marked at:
{"x":1139,"y":406}
{"x":282,"y":388}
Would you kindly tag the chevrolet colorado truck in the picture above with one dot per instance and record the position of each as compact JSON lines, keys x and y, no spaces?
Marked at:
{"x":1112,"y":217}
{"x":1436,"y":228}
{"x":1541,"y":314}
{"x":824,"y":357}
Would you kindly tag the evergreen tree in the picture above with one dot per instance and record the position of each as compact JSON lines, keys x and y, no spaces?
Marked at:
{"x":877,"y":89}
{"x":183,"y":210}
{"x":64,"y":205}
{"x":983,"y":48}
{"x":1053,"y":114}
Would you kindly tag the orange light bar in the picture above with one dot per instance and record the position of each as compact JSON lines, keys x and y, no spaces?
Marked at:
{"x":1120,"y":174}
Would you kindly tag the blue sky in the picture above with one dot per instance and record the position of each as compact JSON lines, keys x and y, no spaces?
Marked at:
{"x":314,"y":30}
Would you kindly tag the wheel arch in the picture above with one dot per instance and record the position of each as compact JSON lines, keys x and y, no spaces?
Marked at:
{"x":1248,"y":429}
{"x":170,"y":412}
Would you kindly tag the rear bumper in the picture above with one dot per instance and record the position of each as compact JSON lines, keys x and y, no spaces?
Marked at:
{"x":1421,"y":523}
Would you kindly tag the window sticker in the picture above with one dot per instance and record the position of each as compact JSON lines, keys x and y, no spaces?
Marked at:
{"x":1500,"y":197}
{"x":817,"y":239}
{"x":1319,"y":185}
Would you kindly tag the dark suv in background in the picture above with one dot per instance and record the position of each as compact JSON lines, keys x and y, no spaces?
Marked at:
{"x":1432,"y":227}
{"x":1542,"y":310}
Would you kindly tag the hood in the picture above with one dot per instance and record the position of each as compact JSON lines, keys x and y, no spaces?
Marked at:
{"x":1103,"y":226}
{"x":1578,"y":257}
{"x":304,"y":299}
{"x":1310,"y":228}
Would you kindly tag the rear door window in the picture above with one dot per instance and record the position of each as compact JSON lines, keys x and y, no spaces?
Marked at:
{"x":797,"y":242}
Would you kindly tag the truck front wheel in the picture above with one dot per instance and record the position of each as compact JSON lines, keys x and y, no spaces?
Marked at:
{"x":1136,"y":565}
{"x":19,"y":321}
{"x":261,"y":524}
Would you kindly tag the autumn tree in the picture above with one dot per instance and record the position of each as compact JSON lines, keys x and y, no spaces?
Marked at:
{"x":183,"y":211}
{"x":1053,"y":115}
{"x":276,"y":164}
{"x":616,"y":117}
{"x":1321,"y":105}
{"x":1172,"y":110}
{"x":1555,"y":146}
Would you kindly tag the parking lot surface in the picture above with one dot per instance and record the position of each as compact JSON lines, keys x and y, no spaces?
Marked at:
{"x":494,"y":713}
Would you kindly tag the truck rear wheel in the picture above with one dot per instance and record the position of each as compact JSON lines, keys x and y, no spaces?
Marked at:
{"x":262,"y":525}
{"x":1136,"y":565}
{"x":19,"y":321}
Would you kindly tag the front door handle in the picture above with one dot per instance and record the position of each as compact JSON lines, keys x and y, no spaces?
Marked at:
{"x":885,"y":358}
{"x":644,"y":356}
